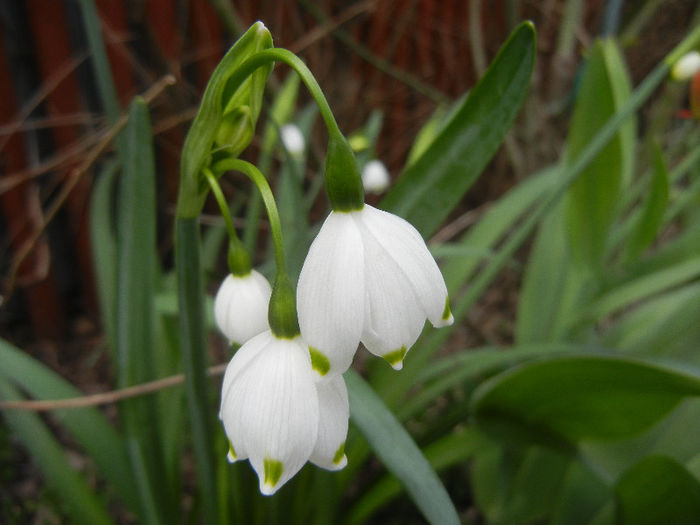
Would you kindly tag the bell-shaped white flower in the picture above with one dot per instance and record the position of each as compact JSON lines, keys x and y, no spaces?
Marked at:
{"x":368,"y":277}
{"x":240,"y":306}
{"x":375,"y":177}
{"x":334,"y":411}
{"x":293,"y":139}
{"x":270,"y":408}
{"x":686,"y":67}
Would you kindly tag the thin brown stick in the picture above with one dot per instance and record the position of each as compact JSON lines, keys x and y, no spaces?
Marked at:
{"x":104,"y":398}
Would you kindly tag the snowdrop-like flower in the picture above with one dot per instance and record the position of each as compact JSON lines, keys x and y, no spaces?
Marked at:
{"x":375,"y":177}
{"x":293,"y":139}
{"x":368,"y":277}
{"x":686,"y":67}
{"x":270,"y":408}
{"x":240,"y":306}
{"x":334,"y":411}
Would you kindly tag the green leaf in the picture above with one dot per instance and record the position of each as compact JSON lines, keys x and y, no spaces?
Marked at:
{"x":104,"y":248}
{"x":88,"y":426}
{"x":398,"y":451}
{"x":643,"y":287}
{"x":448,"y":372}
{"x":560,"y":401}
{"x":667,"y":324}
{"x":48,"y":455}
{"x":593,"y":199}
{"x":652,"y":209}
{"x":135,"y":329}
{"x":657,"y":490}
{"x":192,"y":339}
{"x":552,"y":289}
{"x":581,"y":496}
{"x":432,"y":185}
{"x":450,"y":450}
{"x":498,"y":220}
{"x":515,"y":486}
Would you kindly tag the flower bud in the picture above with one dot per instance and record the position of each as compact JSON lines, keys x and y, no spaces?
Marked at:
{"x":240,"y":306}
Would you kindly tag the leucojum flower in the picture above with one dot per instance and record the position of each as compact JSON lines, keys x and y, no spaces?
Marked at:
{"x":368,"y":277}
{"x":275,"y":413}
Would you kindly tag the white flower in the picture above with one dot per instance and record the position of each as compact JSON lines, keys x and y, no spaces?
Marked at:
{"x":687,"y":66}
{"x":334,"y":412}
{"x":375,"y":177}
{"x":240,"y":306}
{"x":292,"y":139}
{"x":368,"y":277}
{"x":270,"y":408}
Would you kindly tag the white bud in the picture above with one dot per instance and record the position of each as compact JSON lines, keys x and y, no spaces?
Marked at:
{"x":293,"y":139}
{"x":686,"y":67}
{"x":240,"y":306}
{"x":375,"y":176}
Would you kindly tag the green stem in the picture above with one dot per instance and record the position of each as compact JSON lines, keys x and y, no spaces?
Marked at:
{"x":282,"y":313}
{"x":343,"y":181}
{"x":252,"y":172}
{"x":223,"y":205}
{"x":238,"y":258}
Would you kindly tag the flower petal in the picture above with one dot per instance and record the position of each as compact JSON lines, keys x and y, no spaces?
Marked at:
{"x":230,"y":409}
{"x":240,"y":306}
{"x":279,"y":411}
{"x":404,"y":244}
{"x":330,"y":294}
{"x":393,"y":316}
{"x":334,"y":411}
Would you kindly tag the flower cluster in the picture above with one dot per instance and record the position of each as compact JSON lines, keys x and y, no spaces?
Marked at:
{"x":368,"y":277}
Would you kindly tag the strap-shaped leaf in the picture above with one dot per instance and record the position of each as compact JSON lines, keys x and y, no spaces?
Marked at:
{"x":433,"y":184}
{"x":399,"y":452}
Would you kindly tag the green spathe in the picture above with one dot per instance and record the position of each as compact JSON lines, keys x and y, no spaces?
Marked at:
{"x":226,"y":118}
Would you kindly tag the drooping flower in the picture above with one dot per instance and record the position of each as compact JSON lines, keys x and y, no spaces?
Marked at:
{"x":240,"y":306}
{"x":334,"y":411}
{"x":270,"y":408}
{"x":368,"y":277}
{"x":375,"y":177}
